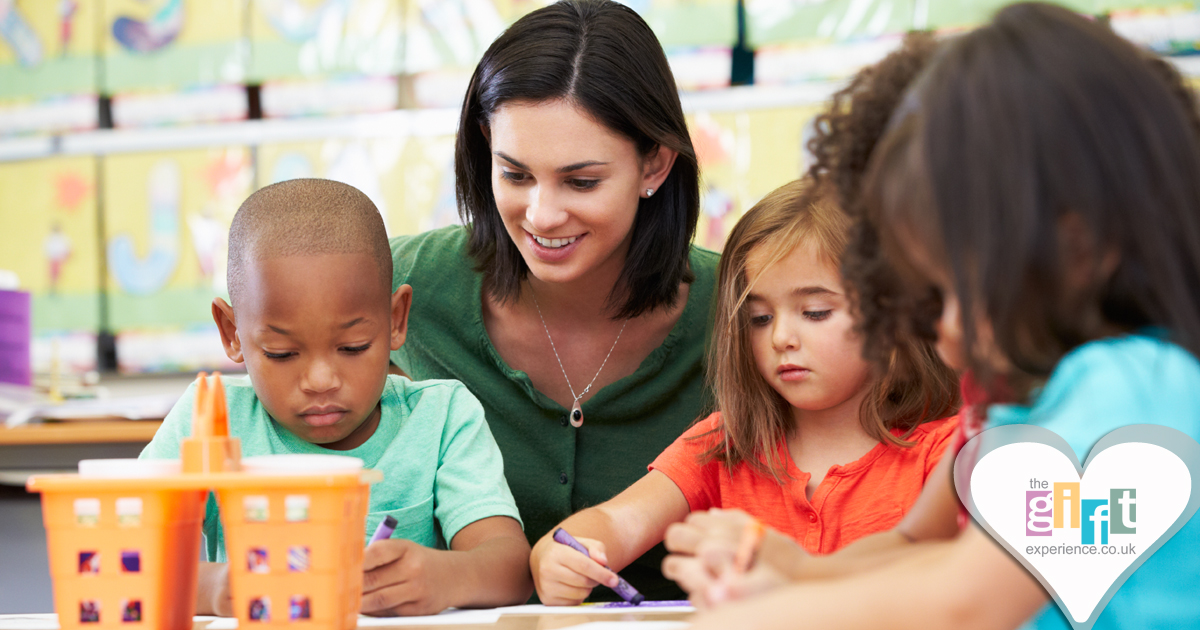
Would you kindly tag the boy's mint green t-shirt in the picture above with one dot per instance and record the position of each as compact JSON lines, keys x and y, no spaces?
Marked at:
{"x":437,"y":455}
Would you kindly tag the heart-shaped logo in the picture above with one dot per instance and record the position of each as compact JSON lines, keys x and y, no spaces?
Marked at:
{"x":1081,"y":531}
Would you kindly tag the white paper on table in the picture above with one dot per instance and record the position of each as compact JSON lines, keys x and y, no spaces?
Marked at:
{"x":450,"y":617}
{"x":47,"y":621}
{"x":633,"y":625}
{"x":598,"y":609}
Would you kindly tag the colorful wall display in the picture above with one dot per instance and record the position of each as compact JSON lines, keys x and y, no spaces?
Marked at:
{"x":788,"y":21}
{"x":51,"y":241}
{"x":172,"y":44}
{"x":743,"y":156}
{"x":410,"y":179}
{"x":47,"y":48}
{"x":315,"y":38}
{"x":166,"y":220}
{"x":443,"y":34}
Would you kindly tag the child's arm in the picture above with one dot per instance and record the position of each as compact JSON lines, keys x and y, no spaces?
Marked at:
{"x":970,"y":582}
{"x":616,"y":533}
{"x":706,"y":543}
{"x":212,"y":590}
{"x":486,"y":566}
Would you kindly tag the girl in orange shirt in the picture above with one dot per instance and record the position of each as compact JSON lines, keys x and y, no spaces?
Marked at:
{"x":810,"y":440}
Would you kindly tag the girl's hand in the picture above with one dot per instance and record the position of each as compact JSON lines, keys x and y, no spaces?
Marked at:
{"x":404,"y":578}
{"x":705,"y":552}
{"x":713,"y":536}
{"x":707,"y":590}
{"x":565,"y":577}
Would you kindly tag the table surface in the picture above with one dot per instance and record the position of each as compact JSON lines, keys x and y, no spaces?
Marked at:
{"x":80,"y":432}
{"x":550,"y":621}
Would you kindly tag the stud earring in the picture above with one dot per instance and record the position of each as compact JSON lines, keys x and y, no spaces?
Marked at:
{"x":649,"y":192}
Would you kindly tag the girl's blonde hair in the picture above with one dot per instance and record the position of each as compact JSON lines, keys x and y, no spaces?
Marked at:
{"x":916,"y":386}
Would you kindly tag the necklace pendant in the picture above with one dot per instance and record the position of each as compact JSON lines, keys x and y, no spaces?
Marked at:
{"x":577,"y":415}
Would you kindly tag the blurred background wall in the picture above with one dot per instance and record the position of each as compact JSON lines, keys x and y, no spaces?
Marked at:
{"x":130,"y":130}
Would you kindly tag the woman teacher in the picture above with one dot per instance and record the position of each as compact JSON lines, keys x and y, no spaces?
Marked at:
{"x":573,"y":305}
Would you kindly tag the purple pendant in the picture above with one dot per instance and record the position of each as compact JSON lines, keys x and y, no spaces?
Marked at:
{"x":577,"y":415}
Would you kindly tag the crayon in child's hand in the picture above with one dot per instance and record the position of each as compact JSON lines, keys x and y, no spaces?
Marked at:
{"x":385,"y":529}
{"x":622,"y":588}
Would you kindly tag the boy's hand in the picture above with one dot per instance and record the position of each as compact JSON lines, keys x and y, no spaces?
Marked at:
{"x":212,"y":592}
{"x":403,"y":578}
{"x":565,"y":577}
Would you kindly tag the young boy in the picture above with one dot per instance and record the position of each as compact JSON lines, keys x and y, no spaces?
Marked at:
{"x":314,"y":318}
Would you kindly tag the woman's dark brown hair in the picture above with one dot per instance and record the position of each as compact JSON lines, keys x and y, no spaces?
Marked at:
{"x":1053,"y":170}
{"x":603,"y":58}
{"x":912,"y":387}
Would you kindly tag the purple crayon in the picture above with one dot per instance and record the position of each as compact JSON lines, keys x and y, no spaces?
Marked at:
{"x":385,"y":529}
{"x":622,"y":588}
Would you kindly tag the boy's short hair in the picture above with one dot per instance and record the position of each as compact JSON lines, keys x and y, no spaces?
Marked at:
{"x":304,"y":217}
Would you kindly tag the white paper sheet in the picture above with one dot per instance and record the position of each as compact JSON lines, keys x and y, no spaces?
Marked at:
{"x":451,"y":617}
{"x":632,"y":625}
{"x":48,"y":621}
{"x":599,"y":609}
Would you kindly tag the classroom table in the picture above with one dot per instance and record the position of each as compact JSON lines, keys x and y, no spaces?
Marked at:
{"x":58,"y":446}
{"x":506,"y":622}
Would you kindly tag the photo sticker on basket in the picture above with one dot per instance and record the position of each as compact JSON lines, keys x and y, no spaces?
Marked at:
{"x":298,"y":608}
{"x":298,"y":559}
{"x":129,"y":512}
{"x":131,"y":610}
{"x":131,"y":561}
{"x":295,"y":507}
{"x":87,"y":512}
{"x":89,"y":611}
{"x":256,"y":560}
{"x":256,"y":508}
{"x":89,"y":562}
{"x":260,"y":609}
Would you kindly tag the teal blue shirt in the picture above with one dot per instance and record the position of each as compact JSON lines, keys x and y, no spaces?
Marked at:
{"x":437,"y":455}
{"x":1101,"y":386}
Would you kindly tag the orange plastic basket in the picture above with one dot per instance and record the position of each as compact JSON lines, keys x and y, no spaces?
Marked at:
{"x":295,"y":550}
{"x":124,"y":551}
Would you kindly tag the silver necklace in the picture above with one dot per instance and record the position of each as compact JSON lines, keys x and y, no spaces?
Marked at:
{"x":576,"y":408}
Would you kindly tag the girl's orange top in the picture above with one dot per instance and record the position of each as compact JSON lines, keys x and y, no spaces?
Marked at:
{"x":863,"y":497}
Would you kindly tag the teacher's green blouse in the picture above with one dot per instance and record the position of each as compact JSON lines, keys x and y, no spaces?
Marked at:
{"x":554,"y":469}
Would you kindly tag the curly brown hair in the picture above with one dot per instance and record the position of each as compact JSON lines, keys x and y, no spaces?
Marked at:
{"x":1036,"y":148}
{"x":858,"y":114}
{"x":846,"y":134}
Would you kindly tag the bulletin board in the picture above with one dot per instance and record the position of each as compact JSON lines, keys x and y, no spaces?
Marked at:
{"x":51,"y":204}
{"x":47,"y":48}
{"x":168,"y":45}
{"x":292,"y":39}
{"x":743,"y":156}
{"x":411,"y":179}
{"x":789,"y":21}
{"x":166,"y":220}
